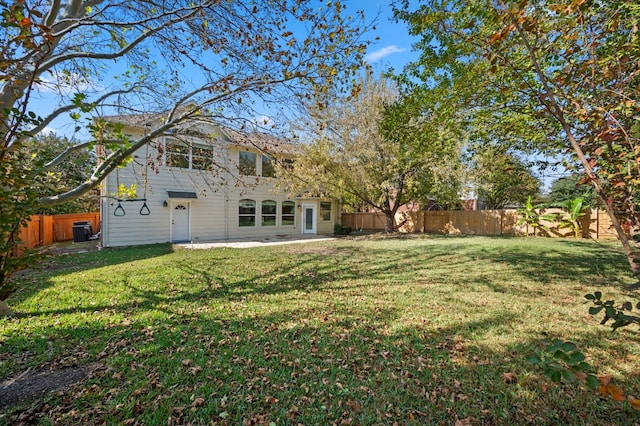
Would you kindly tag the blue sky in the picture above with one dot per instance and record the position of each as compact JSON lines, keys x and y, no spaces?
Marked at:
{"x":394,"y":47}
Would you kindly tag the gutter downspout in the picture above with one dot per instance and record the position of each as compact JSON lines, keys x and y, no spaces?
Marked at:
{"x":226,"y":191}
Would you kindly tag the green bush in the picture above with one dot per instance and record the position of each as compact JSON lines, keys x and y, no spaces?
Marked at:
{"x":341,"y":230}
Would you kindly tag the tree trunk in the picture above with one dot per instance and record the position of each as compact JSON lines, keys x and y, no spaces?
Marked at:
{"x":389,"y":225}
{"x":552,"y":104}
{"x":4,"y":309}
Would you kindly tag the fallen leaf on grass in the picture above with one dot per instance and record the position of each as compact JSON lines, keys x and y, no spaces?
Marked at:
{"x":613,"y":391}
{"x":635,"y":403}
{"x":353,"y":405}
{"x":581,"y":375}
{"x":270,"y":400}
{"x":509,"y":378}
{"x":464,"y":422}
{"x":604,"y":380}
{"x":198,"y":402}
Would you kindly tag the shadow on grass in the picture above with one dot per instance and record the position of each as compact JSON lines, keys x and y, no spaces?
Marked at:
{"x":29,"y":282}
{"x":195,"y":276}
{"x":317,"y":366}
{"x":296,"y":335}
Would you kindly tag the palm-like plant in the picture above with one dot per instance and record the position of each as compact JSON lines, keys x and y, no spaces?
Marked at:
{"x":576,"y":210}
{"x":529,"y":216}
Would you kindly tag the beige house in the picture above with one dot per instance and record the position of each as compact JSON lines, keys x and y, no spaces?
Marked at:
{"x":205,"y":183}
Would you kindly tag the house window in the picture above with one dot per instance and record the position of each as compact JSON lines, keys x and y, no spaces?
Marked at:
{"x":288,"y":213}
{"x":269,"y":213}
{"x":268,"y":170}
{"x":325,"y":210}
{"x":247,"y":213}
{"x":202,"y":157}
{"x":247,"y":163}
{"x":177,"y":154}
{"x":185,"y":156}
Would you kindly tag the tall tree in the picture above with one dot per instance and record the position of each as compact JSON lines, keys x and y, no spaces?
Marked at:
{"x":185,"y":59}
{"x":503,"y":179}
{"x":571,"y":67}
{"x":65,"y":176}
{"x":569,"y":188}
{"x":367,"y":149}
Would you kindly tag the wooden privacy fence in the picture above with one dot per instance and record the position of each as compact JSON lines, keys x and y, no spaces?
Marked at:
{"x":42,"y":229}
{"x":595,"y":223}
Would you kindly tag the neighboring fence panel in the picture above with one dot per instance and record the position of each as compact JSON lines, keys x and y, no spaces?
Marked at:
{"x":595,"y":223}
{"x":370,"y":221}
{"x":509,"y":223}
{"x":42,"y":230}
{"x":63,"y":224}
{"x":485,"y":222}
{"x":46,"y":230}
{"x":29,"y":235}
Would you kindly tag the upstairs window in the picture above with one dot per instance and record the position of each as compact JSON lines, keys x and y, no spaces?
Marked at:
{"x":268,"y":169}
{"x":188,"y":156}
{"x":288,"y":216}
{"x":247,"y":163}
{"x":247,"y":213}
{"x":177,"y":154}
{"x":202,"y":157}
{"x":269,"y":209}
{"x":325,"y":210}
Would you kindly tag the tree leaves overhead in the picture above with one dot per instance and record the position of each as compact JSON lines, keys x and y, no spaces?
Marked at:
{"x":502,"y":179}
{"x":569,"y":71}
{"x":142,"y":57}
{"x":168,"y":62}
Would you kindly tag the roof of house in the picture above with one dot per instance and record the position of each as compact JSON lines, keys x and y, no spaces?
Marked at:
{"x":259,"y":140}
{"x":253,"y":139}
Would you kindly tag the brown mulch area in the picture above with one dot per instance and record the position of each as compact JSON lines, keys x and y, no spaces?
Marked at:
{"x":34,"y":384}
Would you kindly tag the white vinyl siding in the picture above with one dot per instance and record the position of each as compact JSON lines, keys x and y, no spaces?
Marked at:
{"x":214,"y":215}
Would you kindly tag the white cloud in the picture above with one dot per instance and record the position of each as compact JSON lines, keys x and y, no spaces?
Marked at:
{"x":48,"y":130}
{"x":263,"y":121}
{"x":381,"y":53}
{"x":66,"y":83}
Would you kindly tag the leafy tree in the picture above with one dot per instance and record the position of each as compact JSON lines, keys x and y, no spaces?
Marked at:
{"x":367,"y":149}
{"x":568,"y":188}
{"x":63,"y":177}
{"x":503,"y":179}
{"x":186,"y":60}
{"x":571,"y":68}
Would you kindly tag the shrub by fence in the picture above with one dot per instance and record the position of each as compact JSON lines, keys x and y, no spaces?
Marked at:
{"x":42,"y":229}
{"x":595,"y":223}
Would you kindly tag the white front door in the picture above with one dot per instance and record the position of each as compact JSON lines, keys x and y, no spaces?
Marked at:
{"x":180,"y":223}
{"x":308,"y":219}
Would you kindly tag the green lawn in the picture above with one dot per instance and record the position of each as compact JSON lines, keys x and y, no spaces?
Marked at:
{"x":369,"y":330}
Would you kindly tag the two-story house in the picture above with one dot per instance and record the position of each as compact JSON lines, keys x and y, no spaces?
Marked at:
{"x":205,"y":183}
